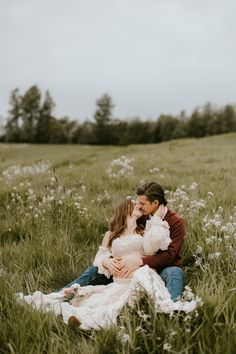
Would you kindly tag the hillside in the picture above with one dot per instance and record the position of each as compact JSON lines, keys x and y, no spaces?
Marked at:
{"x":46,"y":244}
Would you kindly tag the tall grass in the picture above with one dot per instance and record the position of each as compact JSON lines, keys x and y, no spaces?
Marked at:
{"x":52,"y":223}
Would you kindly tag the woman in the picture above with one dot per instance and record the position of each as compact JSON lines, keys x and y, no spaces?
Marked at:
{"x":99,"y":306}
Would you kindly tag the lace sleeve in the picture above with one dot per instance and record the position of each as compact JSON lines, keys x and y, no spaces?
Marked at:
{"x":156,"y":236}
{"x":102,"y":254}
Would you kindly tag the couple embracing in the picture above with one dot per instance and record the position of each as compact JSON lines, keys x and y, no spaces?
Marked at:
{"x":140,"y":252}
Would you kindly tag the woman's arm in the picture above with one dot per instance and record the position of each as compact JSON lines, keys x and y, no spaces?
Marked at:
{"x":102,"y":254}
{"x":156,"y":235}
{"x":105,"y":239}
{"x":166,"y":258}
{"x":103,"y":259}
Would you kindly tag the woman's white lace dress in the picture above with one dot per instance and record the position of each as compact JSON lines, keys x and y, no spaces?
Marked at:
{"x":99,"y":306}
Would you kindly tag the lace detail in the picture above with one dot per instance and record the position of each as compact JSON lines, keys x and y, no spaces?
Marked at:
{"x":156,"y":236}
{"x":102,"y":254}
{"x":124,"y":245}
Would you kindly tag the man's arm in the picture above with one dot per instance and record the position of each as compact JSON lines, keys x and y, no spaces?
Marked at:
{"x":164,"y":258}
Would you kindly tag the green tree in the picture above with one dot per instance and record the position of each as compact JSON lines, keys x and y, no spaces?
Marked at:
{"x":83,"y":133}
{"x":44,"y":122}
{"x":12,"y":127}
{"x":196,"y":125}
{"x":119,"y":132}
{"x":62,"y":130}
{"x":166,"y":128}
{"x":30,"y":106}
{"x":28,"y":120}
{"x":229,"y":119}
{"x":102,"y":117}
{"x":137,"y":132}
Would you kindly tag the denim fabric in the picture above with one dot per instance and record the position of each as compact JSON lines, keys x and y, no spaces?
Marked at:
{"x":86,"y":277}
{"x":174,"y":281}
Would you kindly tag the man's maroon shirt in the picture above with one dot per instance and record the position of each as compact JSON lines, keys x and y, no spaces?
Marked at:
{"x":170,"y":257}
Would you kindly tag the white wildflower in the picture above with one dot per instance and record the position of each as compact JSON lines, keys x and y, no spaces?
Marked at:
{"x":173,"y":333}
{"x":229,"y":228}
{"x":193,"y":186}
{"x":120,"y":168}
{"x":188,"y":294}
{"x":125,"y":337}
{"x":199,"y":249}
{"x":2,"y":272}
{"x":167,"y":347}
{"x":17,"y":170}
{"x":213,"y":239}
{"x":210,"y":194}
{"x":187,"y":318}
{"x":215,"y":255}
{"x":199,"y":300}
{"x":154,"y":170}
{"x":198,"y":261}
{"x":197,"y":204}
{"x":143,"y":315}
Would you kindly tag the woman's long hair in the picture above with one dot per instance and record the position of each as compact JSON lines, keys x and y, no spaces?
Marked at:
{"x":118,"y":221}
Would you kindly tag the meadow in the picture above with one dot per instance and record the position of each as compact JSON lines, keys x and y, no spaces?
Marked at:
{"x":55,"y":204}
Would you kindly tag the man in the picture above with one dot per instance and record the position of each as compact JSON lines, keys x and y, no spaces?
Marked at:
{"x":167,"y":263}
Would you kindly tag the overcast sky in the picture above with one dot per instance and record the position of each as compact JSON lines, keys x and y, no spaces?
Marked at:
{"x":151,"y":56}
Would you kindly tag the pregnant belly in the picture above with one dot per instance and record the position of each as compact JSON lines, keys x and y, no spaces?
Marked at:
{"x":119,"y":277}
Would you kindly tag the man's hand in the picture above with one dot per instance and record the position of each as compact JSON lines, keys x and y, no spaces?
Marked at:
{"x":112,"y":264}
{"x":129,"y":264}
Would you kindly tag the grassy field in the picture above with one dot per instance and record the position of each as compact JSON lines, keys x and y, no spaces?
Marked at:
{"x":55,"y":202}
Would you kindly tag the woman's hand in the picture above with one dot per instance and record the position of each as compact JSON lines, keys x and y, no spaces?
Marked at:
{"x":69,"y":291}
{"x":161,"y":211}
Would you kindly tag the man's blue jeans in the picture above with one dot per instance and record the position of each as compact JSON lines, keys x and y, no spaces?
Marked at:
{"x":173,"y":278}
{"x":86,"y":277}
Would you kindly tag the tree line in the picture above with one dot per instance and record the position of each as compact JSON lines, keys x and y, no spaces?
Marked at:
{"x":31,"y":120}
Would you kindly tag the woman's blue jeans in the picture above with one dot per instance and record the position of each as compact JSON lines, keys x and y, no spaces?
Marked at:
{"x":173,"y":278}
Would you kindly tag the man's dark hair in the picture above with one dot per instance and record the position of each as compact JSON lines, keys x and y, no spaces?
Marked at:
{"x":152,"y":191}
